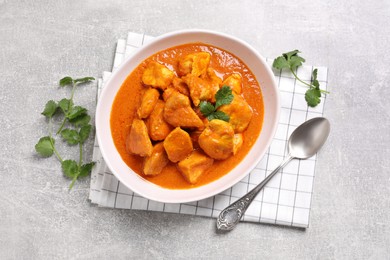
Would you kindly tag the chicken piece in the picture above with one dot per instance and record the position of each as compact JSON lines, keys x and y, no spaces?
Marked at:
{"x":158,"y":128}
{"x":149,"y":100}
{"x":138,"y":141}
{"x":195,"y":137}
{"x":185,"y":65}
{"x":155,"y":163}
{"x":214,"y":82}
{"x":203,"y":88}
{"x":180,"y":86}
{"x":239,"y":111}
{"x":194,"y":166}
{"x":178,"y":145}
{"x":216,"y":139}
{"x":168,"y":92}
{"x":238,"y":139}
{"x":234,"y":81}
{"x":200,"y":89}
{"x":200,"y":63}
{"x":194,"y":63}
{"x":201,"y":116}
{"x":157,"y":75}
{"x":178,"y":111}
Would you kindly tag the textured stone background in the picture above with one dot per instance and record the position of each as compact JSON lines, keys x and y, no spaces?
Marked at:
{"x":42,"y":41}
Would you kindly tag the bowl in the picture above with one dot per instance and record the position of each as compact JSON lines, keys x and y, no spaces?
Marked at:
{"x":149,"y":190}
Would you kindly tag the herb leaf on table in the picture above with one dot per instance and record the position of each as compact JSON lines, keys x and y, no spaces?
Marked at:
{"x":291,"y":60}
{"x":77,"y":119}
{"x":45,"y":146}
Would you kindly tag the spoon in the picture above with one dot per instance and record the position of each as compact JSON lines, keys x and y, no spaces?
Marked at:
{"x":303,"y":143}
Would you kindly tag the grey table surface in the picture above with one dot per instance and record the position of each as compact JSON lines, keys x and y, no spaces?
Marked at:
{"x":42,"y":41}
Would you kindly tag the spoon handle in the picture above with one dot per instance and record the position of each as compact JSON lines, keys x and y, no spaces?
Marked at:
{"x":231,"y":215}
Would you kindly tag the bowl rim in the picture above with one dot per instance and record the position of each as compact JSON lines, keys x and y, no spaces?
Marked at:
{"x":216,"y":190}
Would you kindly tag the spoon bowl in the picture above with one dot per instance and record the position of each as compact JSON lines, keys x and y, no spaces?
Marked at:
{"x":303,"y":143}
{"x":308,"y":138}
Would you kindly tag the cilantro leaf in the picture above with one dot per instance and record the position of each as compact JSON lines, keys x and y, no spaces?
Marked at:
{"x":50,"y":109}
{"x":78,"y":117}
{"x":66,"y":81}
{"x":45,"y":146}
{"x":66,"y":105}
{"x":280,"y":63}
{"x":314,"y":80}
{"x":83,"y":80}
{"x":292,"y":61}
{"x":206,"y":108}
{"x":84,"y":133}
{"x":295,"y":62}
{"x":76,"y":111}
{"x":219,"y":115}
{"x":86,"y":169}
{"x":223,"y":96}
{"x":80,"y":120}
{"x":312,"y":97}
{"x":70,"y":136}
{"x":289,"y":54}
{"x":70,"y":168}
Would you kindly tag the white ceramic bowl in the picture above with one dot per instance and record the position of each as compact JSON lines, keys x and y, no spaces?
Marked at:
{"x":136,"y":183}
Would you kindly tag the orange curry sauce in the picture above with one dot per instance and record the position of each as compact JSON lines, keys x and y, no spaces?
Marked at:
{"x":128,"y":99}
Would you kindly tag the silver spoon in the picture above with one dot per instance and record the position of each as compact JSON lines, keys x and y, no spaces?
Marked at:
{"x":303,"y":143}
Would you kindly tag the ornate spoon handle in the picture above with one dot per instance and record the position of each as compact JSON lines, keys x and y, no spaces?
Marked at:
{"x":231,"y":215}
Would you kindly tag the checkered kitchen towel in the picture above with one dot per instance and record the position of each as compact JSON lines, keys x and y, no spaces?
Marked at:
{"x":285,"y":200}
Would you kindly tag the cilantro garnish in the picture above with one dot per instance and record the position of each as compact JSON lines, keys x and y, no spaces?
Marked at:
{"x":291,"y":60}
{"x":223,"y":96}
{"x":78,"y":132}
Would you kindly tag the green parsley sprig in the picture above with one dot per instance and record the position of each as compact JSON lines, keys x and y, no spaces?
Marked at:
{"x":291,"y":60}
{"x":78,"y":132}
{"x":223,"y":96}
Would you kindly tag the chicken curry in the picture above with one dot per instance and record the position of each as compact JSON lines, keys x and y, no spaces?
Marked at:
{"x":187,"y":115}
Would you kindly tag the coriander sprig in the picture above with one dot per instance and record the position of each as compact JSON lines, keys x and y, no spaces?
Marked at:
{"x":291,"y":60}
{"x":223,"y":96}
{"x":66,"y":105}
{"x":77,"y":133}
